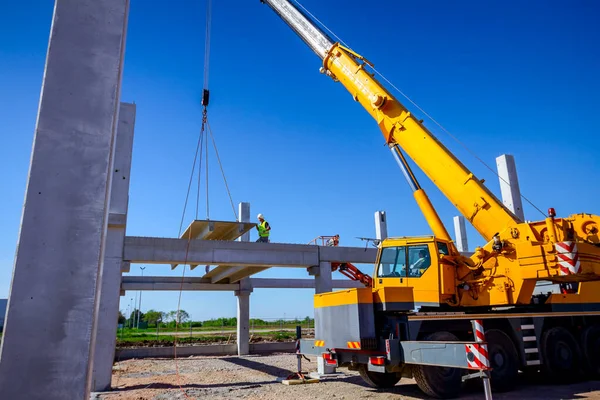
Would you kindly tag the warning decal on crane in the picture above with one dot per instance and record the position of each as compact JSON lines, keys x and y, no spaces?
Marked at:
{"x":568,"y":259}
{"x":477,"y":354}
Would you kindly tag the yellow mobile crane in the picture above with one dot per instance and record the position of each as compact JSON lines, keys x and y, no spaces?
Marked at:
{"x":557,"y":333}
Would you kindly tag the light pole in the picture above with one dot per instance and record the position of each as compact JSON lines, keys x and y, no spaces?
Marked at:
{"x":130,"y":317}
{"x":140,"y":305}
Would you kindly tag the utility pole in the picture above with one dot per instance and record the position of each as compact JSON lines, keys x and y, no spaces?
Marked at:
{"x":131,"y":304}
{"x":140,"y":305}
{"x":134,"y":310}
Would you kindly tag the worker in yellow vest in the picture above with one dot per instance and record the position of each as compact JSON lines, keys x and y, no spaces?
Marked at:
{"x":264,"y":229}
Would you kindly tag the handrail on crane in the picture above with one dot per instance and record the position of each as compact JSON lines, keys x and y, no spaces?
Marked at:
{"x":346,"y":269}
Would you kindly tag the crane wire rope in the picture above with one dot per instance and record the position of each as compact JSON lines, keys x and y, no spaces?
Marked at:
{"x":419,"y":108}
{"x":202,"y":143}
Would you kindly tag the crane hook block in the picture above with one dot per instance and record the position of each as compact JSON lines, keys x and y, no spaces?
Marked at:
{"x":205,"y":96}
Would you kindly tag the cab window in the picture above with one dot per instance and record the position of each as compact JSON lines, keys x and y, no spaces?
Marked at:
{"x":419,"y":260}
{"x":443,"y":248}
{"x":392,"y":262}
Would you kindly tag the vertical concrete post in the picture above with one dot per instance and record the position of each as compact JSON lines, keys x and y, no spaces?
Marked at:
{"x":244,"y":216}
{"x":106,"y":337}
{"x":60,"y":253}
{"x":243,"y":294}
{"x":381,"y":232}
{"x":509,"y":184}
{"x":323,"y":278}
{"x":323,"y":284}
{"x":460,"y":232}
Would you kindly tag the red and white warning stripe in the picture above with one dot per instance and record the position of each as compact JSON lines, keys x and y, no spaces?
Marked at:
{"x":568,"y":258}
{"x":478,"y":327}
{"x":480,"y":359}
{"x":477,"y":354}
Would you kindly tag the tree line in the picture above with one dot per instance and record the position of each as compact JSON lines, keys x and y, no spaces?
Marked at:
{"x":171,"y":318}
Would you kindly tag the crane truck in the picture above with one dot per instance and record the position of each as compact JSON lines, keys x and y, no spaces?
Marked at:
{"x":414,"y":318}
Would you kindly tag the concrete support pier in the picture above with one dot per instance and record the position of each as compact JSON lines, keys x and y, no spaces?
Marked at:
{"x":381,"y":232}
{"x":106,"y":337}
{"x":61,"y":246}
{"x":460,"y":232}
{"x":509,"y":184}
{"x":323,"y":284}
{"x":243,"y":294}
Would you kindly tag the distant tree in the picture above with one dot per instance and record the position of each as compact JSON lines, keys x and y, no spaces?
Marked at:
{"x":122,"y":318}
{"x":183,"y":316}
{"x":153,"y":317}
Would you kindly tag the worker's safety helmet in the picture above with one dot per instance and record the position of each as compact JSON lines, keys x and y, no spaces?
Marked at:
{"x":260,"y":216}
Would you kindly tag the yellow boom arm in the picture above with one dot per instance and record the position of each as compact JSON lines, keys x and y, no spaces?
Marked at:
{"x":485,"y":212}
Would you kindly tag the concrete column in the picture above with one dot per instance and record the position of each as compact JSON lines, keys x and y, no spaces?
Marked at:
{"x":244,"y":216}
{"x":323,"y":284}
{"x":509,"y":184}
{"x":108,"y":316}
{"x":381,"y":232}
{"x":243,"y":294}
{"x":460,"y":232}
{"x":60,"y":253}
{"x":323,"y":277}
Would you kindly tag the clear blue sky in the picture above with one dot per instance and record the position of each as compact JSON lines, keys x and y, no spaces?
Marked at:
{"x":505,"y":77}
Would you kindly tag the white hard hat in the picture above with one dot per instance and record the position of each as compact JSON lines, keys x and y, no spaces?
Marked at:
{"x":259,"y":216}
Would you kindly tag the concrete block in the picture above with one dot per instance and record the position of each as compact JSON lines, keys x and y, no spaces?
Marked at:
{"x":509,"y":185}
{"x":61,"y":245}
{"x":113,"y":258}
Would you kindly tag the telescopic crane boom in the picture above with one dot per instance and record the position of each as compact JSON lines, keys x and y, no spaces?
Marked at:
{"x":517,"y":254}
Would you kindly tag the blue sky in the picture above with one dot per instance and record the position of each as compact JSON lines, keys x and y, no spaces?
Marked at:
{"x":505,"y":77}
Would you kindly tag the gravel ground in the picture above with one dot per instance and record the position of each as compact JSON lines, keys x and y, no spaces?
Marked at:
{"x":259,"y":377}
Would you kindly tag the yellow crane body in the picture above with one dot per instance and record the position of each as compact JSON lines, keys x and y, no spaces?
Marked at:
{"x":423,"y":290}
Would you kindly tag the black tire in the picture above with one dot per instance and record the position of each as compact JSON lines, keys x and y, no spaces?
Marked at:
{"x":590,"y":347}
{"x":561,"y":357}
{"x":377,"y":379}
{"x":439,"y":382}
{"x":504,"y":360}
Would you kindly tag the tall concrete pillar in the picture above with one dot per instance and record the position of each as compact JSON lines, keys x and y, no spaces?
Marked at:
{"x":243,"y":294}
{"x":60,"y":252}
{"x":323,"y":277}
{"x":244,"y":216}
{"x":106,"y":337}
{"x":323,"y":284}
{"x":509,"y":184}
{"x":460,"y":232}
{"x":381,"y":232}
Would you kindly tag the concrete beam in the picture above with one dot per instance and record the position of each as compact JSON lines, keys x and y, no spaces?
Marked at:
{"x":170,"y":283}
{"x":150,"y":250}
{"x":356,"y":255}
{"x":108,"y":315}
{"x":509,"y":185}
{"x":212,"y":350}
{"x":275,"y":283}
{"x":61,"y":245}
{"x":460,"y":233}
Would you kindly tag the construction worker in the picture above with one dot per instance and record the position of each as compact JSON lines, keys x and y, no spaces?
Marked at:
{"x":264,"y":229}
{"x":419,"y":266}
{"x":333,"y":241}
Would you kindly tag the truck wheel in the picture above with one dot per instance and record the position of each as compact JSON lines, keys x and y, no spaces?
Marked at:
{"x":378,"y":379}
{"x":561,"y":357}
{"x":504,"y":360}
{"x":590,"y":346}
{"x":439,"y":382}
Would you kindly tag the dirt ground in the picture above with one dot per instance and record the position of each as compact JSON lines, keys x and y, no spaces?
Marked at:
{"x":259,"y":377}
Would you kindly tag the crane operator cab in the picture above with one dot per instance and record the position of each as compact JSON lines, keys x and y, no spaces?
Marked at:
{"x":415,"y":263}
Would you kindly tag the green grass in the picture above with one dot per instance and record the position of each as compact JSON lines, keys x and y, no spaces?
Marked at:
{"x":129,"y":338}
